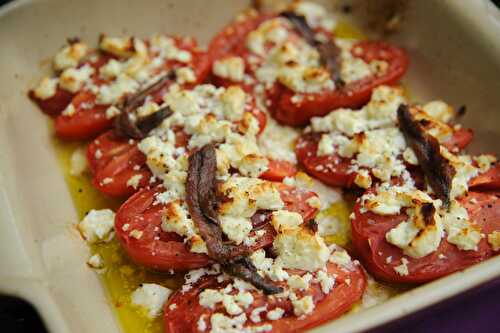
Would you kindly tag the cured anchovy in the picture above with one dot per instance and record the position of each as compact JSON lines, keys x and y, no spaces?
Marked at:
{"x":328,"y":51}
{"x":126,"y":123}
{"x":201,"y":200}
{"x":437,"y":169}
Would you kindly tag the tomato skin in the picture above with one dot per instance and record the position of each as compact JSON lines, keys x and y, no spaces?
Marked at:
{"x":88,"y":121}
{"x":159,"y":254}
{"x":352,"y":95}
{"x":278,"y":170}
{"x":165,"y":251}
{"x":488,"y":181}
{"x":460,"y":139}
{"x":116,"y":159}
{"x":368,"y":239}
{"x":185,"y":315}
{"x":230,"y":39}
{"x":54,"y":105}
{"x":338,"y":175}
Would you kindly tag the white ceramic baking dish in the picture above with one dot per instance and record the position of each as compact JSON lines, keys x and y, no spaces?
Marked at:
{"x":455,"y":55}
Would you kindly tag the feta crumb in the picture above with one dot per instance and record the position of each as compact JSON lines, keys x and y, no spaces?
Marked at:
{"x":284,"y":219}
{"x":97,"y":225}
{"x":95,"y":261}
{"x":134,"y":181}
{"x":275,"y":314}
{"x":151,"y":297}
{"x":303,"y":306}
{"x":78,"y":162}
{"x":232,"y":68}
{"x":403,"y":268}
{"x":301,"y":249}
{"x":494,"y":240}
{"x":46,"y":88}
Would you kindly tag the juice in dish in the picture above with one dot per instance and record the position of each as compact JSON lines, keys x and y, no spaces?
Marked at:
{"x":120,"y":276}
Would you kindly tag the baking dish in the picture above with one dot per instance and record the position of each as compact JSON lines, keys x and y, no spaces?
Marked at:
{"x":455,"y":57}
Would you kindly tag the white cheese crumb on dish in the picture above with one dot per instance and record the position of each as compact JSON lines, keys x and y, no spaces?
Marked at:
{"x":97,"y":225}
{"x":151,"y":297}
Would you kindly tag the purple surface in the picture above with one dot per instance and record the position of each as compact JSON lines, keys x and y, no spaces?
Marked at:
{"x":477,"y":310}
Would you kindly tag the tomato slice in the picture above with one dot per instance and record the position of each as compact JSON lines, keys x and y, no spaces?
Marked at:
{"x":488,"y":181}
{"x":278,"y":170}
{"x":288,"y":110}
{"x":53,"y":105}
{"x":164,"y":251}
{"x":88,"y":120}
{"x":231,"y":39}
{"x":335,"y":170}
{"x":332,"y":169}
{"x":368,"y":238}
{"x":460,"y":139}
{"x":348,"y":289}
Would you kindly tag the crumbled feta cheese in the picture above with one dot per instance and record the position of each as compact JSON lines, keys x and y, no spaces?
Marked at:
{"x":341,"y":257}
{"x":303,"y":306}
{"x":402,"y":269}
{"x":232,"y":68}
{"x":494,"y":240}
{"x":134,"y":181}
{"x":301,"y":249}
{"x":97,"y":225}
{"x":236,"y":228}
{"x":185,"y":75}
{"x":299,"y":282}
{"x":284,"y":219}
{"x":275,"y":314}
{"x":246,"y":195}
{"x":151,"y":297}
{"x":46,"y":88}
{"x":325,"y":145}
{"x":113,"y":92}
{"x":95,"y":261}
{"x":460,"y":231}
{"x":73,"y":79}
{"x":112,"y":112}
{"x":78,"y":163}
{"x":325,"y":280}
{"x":417,"y":237}
{"x":70,"y":56}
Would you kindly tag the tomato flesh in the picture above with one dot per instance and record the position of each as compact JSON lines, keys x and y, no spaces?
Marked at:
{"x":53,"y":105}
{"x":348,"y":289}
{"x":487,"y":181}
{"x":163,"y":251}
{"x":88,"y":121}
{"x":278,"y":170}
{"x":368,"y":238}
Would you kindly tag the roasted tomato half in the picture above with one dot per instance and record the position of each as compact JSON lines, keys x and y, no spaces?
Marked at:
{"x":188,"y":314}
{"x":389,"y":263}
{"x":288,"y":102}
{"x":335,"y":170}
{"x":138,"y":226}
